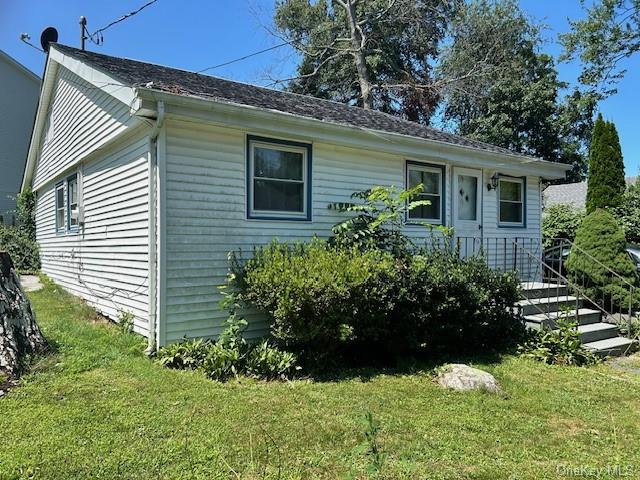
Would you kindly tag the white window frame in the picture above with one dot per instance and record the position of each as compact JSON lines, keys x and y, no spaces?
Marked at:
{"x":73,"y":177}
{"x":440,"y":170}
{"x":283,"y":147}
{"x":60,"y":186}
{"x":63,"y":185}
{"x":522,"y":201}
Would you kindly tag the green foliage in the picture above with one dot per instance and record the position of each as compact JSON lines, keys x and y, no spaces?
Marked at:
{"x":125,"y":321}
{"x":606,"y":168}
{"x":372,"y":445}
{"x":516,"y":102}
{"x":630,"y":329}
{"x":609,"y":34}
{"x":24,"y":251}
{"x":230,"y":356}
{"x":601,"y":237}
{"x":560,"y":221}
{"x":26,"y":207}
{"x":329,"y":300}
{"x":379,"y":219}
{"x":628,"y":213}
{"x":558,"y":347}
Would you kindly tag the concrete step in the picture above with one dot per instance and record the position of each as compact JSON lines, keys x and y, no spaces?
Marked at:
{"x":585,"y":316}
{"x":613,"y":347}
{"x":543,"y":289}
{"x":594,"y":332}
{"x":532,"y":306}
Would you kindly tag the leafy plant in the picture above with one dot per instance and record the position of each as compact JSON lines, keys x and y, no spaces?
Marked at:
{"x":558,"y":347}
{"x":379,"y":218}
{"x":372,"y":444}
{"x":126,"y":321}
{"x":629,"y":329}
{"x":26,"y":208}
{"x":23,"y":250}
{"x":628,"y":213}
{"x":560,"y":221}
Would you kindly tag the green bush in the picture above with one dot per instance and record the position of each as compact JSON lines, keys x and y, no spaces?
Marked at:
{"x":230,"y":356}
{"x":23,"y":250}
{"x":601,"y":237}
{"x":325,"y":299}
{"x":26,"y":208}
{"x":560,"y":221}
{"x":628,"y":213}
{"x":558,"y":347}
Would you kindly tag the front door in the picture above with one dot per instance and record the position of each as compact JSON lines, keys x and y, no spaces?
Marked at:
{"x":467,"y":213}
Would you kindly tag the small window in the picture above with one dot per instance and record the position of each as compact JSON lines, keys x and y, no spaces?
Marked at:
{"x":431,"y":179}
{"x":511,"y":194}
{"x":72,"y":202}
{"x":60,"y":217}
{"x":278,"y":182}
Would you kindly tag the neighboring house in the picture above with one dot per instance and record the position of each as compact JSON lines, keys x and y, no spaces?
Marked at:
{"x":574,"y":194}
{"x":19,"y":90}
{"x":147,"y":176}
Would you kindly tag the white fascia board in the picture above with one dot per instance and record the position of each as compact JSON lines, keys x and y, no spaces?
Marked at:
{"x":276,"y":123}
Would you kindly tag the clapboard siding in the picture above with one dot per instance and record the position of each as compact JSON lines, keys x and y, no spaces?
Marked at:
{"x":206,"y":214}
{"x":84,"y":117}
{"x":106,"y":263}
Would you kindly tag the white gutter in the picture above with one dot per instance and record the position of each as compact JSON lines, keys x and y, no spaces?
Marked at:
{"x":153,"y":219}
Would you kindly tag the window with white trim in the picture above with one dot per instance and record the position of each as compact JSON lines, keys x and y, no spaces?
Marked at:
{"x":60,"y":214}
{"x":278,"y":179}
{"x":511,"y":202}
{"x":431,"y":178}
{"x":72,"y":202}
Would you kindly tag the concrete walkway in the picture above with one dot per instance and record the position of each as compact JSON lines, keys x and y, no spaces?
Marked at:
{"x":30,"y":283}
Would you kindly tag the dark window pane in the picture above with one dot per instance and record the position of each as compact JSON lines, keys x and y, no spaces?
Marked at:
{"x":431,"y":182}
{"x":510,"y":190}
{"x":511,"y":212}
{"x":427,"y":212}
{"x":274,"y":195}
{"x":277,"y":164}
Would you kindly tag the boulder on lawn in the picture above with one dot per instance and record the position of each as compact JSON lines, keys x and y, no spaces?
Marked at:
{"x":458,"y":376}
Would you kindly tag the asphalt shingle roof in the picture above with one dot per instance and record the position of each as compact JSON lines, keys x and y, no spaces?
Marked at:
{"x":140,"y":74}
{"x":571,"y":193}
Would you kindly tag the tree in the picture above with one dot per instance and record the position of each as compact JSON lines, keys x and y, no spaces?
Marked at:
{"x":628,"y":213}
{"x":609,"y":34}
{"x":560,"y":221}
{"x":374,"y":53}
{"x":519,"y":106}
{"x":601,"y":237}
{"x":606,"y":183}
{"x":26,"y":207}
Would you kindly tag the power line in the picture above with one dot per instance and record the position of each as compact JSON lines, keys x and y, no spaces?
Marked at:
{"x":96,"y":37}
{"x":244,"y":58}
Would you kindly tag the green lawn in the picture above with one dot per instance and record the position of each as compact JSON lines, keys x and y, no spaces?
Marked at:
{"x":97,"y":408}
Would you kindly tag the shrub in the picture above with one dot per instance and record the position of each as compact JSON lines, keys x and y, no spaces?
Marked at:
{"x":23,"y":250}
{"x":558,"y":347}
{"x":601,"y":237}
{"x":26,"y":208}
{"x":560,"y":221}
{"x":332,"y":300}
{"x":230,"y":356}
{"x":628,"y":213}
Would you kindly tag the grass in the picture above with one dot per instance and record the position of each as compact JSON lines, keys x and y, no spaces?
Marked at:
{"x":97,"y":408}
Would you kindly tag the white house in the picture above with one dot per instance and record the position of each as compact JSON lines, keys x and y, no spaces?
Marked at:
{"x":147,"y":176}
{"x":19,"y":92}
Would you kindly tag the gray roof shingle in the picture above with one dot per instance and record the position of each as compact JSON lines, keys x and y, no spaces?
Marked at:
{"x":138,"y":74}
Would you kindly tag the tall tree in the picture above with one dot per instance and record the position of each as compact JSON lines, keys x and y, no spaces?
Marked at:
{"x":609,"y":34}
{"x":519,"y":106}
{"x":606,"y":184}
{"x":373,"y":53}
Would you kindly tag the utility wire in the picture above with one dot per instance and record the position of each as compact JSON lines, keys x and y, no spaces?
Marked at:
{"x":244,"y":58}
{"x":26,"y":39}
{"x":96,"y":37}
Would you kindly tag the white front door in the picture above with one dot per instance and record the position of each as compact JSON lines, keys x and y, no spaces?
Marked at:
{"x":467,"y":209}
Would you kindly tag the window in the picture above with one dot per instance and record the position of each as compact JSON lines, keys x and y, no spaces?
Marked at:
{"x":60,"y":217}
{"x":72,"y":202}
{"x":431,"y":177}
{"x":67,"y":205}
{"x":278,"y":182}
{"x":511,"y":195}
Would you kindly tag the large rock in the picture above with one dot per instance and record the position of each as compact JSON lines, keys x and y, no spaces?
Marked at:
{"x":462,"y":377}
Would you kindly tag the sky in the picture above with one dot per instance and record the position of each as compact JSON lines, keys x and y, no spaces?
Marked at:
{"x":196,"y":34}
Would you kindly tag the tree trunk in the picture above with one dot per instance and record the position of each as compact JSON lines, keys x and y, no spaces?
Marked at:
{"x":357,"y":45}
{"x":19,"y":332}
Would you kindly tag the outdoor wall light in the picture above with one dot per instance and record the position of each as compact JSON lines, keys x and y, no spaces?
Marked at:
{"x":494,"y":182}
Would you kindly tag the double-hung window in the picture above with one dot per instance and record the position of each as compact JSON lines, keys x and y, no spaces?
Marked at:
{"x":67,"y":205}
{"x":511,"y":193}
{"x":279,"y":179}
{"x":432,"y":179}
{"x":60,"y":213}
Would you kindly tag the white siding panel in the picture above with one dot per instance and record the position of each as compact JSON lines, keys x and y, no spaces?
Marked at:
{"x":84,"y":117}
{"x":107,"y":262}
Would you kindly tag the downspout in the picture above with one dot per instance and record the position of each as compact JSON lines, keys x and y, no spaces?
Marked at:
{"x":153,"y":221}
